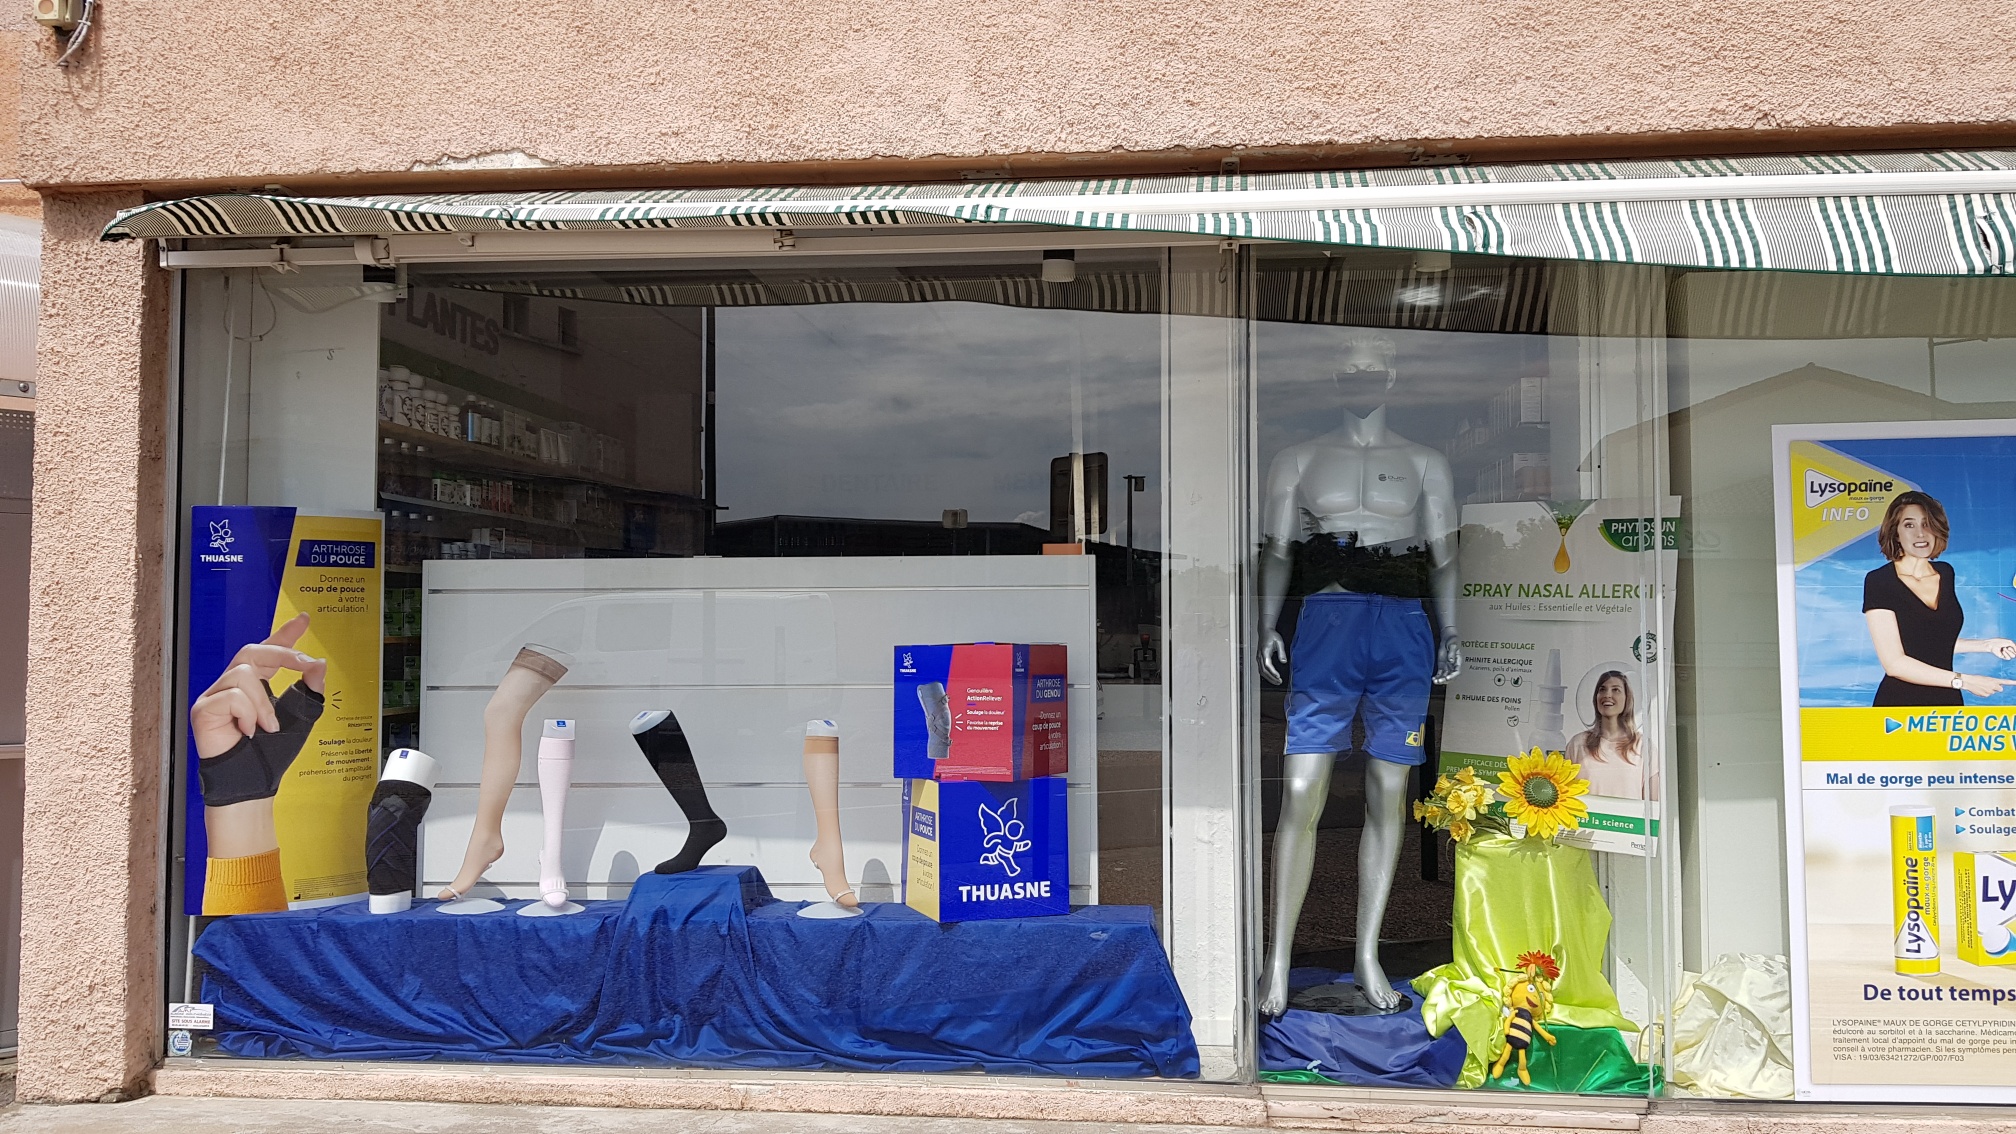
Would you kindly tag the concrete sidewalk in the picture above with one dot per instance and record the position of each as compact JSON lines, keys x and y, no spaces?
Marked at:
{"x":260,"y":1116}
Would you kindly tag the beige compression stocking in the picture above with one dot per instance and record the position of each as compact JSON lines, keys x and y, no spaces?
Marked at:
{"x":822,"y":776}
{"x":532,"y":673}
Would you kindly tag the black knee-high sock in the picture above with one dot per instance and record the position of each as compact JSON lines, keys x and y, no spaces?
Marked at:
{"x":670,"y":755}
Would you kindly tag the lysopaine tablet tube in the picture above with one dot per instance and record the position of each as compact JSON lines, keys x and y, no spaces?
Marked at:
{"x":1914,"y":889}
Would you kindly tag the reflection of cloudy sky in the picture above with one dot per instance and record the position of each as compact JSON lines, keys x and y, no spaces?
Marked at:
{"x":1444,"y":376}
{"x":899,"y":411}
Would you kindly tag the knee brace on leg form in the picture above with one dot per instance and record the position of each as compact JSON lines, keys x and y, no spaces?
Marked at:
{"x":251,"y":769}
{"x":392,"y":832}
{"x":392,"y":840}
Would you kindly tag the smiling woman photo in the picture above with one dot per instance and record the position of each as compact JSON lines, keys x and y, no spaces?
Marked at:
{"x":1612,"y":751}
{"x":1914,"y":613}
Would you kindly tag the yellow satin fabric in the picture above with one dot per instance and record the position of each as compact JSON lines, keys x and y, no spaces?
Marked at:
{"x":1732,"y":1029}
{"x":1513,"y":896}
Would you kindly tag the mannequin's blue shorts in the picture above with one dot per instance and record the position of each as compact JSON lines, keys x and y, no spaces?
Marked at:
{"x":1361,"y":655}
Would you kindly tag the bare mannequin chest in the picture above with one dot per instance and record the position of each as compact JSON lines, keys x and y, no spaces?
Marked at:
{"x":1342,"y":482}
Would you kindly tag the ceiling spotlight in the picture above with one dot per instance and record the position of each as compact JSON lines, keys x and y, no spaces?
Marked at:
{"x":1060,"y":265}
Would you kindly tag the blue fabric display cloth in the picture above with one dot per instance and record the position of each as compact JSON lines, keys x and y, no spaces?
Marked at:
{"x":703,"y":969}
{"x":1362,"y":1051}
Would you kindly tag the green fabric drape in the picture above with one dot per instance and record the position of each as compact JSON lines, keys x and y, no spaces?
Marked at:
{"x":1581,"y":1061}
{"x":1514,"y":896}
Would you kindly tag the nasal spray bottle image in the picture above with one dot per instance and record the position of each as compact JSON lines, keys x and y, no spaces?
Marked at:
{"x":1914,"y":889}
{"x":1548,"y":697}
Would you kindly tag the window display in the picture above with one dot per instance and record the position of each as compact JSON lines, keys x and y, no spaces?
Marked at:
{"x":1454,"y":603}
{"x":1410,"y":723}
{"x":564,"y":577}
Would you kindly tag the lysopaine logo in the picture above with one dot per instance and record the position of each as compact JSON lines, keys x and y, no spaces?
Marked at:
{"x":1820,"y":489}
{"x":1001,"y":836}
{"x":337,"y":553}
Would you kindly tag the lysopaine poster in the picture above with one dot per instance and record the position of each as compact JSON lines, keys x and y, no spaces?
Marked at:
{"x":1897,"y":645}
{"x":1562,"y":652}
{"x":285,"y":646}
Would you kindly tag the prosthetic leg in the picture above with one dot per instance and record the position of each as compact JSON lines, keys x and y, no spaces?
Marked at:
{"x":671,"y":757}
{"x":392,"y":839}
{"x":822,"y":776}
{"x":532,"y":673}
{"x":556,"y":776}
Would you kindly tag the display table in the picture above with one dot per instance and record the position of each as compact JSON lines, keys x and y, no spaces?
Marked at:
{"x":703,"y":969}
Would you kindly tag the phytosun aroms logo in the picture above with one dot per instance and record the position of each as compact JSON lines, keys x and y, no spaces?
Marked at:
{"x":221,"y":540}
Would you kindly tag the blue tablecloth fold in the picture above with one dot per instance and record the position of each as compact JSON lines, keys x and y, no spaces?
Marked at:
{"x":704,"y":969}
{"x":1363,"y":1051}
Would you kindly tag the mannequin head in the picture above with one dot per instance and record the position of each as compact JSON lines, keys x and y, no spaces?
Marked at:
{"x":1366,"y":372}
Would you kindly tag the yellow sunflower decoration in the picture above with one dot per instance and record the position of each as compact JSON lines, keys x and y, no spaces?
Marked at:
{"x":1543,"y":790}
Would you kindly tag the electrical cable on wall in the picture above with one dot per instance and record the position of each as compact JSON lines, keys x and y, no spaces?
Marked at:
{"x":78,"y":34}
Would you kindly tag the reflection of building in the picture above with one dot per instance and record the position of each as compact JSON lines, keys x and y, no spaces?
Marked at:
{"x":1725,"y":629}
{"x":842,"y":535}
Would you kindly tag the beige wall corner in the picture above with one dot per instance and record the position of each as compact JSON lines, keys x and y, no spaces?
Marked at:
{"x":92,"y":877}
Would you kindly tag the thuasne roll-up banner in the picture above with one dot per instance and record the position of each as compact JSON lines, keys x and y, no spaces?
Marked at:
{"x":285,"y":644}
{"x":1896,"y":546}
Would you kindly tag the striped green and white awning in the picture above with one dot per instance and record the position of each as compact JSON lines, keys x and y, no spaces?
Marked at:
{"x":1941,"y":213}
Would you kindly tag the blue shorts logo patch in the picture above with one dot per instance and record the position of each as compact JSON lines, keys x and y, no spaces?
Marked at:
{"x":1414,"y":739}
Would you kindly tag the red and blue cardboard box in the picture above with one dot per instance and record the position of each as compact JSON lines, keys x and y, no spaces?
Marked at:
{"x":976,"y":851}
{"x":988,"y":711}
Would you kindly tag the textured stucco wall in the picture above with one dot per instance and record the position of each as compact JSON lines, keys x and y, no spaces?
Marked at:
{"x":92,"y":877}
{"x":256,"y":92}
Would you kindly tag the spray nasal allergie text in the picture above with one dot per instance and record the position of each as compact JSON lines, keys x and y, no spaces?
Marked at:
{"x":1914,"y":889}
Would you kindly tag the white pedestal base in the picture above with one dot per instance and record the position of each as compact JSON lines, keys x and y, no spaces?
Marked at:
{"x":391,"y":903}
{"x":827,"y":911}
{"x":469,"y":906}
{"x":541,"y":909}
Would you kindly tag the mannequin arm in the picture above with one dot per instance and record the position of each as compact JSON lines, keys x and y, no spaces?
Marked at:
{"x":1438,"y":498}
{"x":1277,"y":566}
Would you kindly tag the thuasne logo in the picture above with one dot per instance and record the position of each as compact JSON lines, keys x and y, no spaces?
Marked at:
{"x":221,"y":540}
{"x":1001,"y":834}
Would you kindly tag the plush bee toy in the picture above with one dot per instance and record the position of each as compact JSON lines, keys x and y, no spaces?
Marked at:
{"x":1528,"y":1000}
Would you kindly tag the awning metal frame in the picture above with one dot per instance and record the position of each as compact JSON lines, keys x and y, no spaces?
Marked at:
{"x":1937,"y":213}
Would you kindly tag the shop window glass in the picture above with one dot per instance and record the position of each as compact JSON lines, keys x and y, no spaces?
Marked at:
{"x":1457,"y":583}
{"x":1373,"y":520}
{"x":624,"y":561}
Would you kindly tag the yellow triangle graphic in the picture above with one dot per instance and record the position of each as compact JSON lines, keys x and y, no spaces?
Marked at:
{"x":1836,"y":499}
